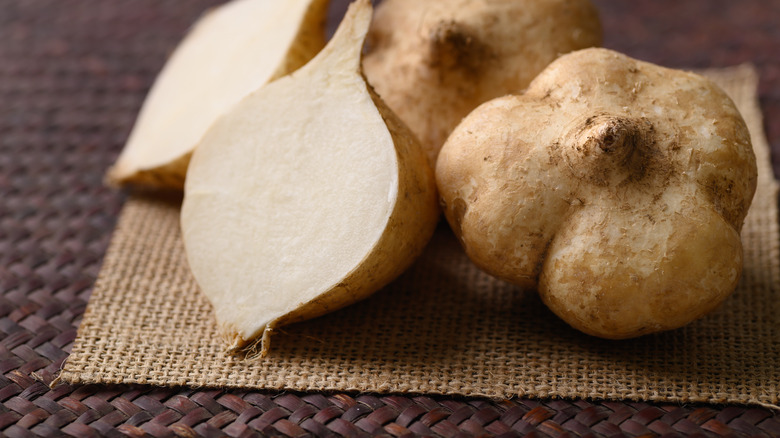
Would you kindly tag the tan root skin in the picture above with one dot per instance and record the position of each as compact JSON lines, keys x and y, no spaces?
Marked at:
{"x":306,"y":197}
{"x":434,"y":61}
{"x":230,"y":52}
{"x":616,"y":187}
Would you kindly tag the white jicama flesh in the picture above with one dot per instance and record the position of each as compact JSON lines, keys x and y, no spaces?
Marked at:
{"x":230,"y":52}
{"x":307,"y":196}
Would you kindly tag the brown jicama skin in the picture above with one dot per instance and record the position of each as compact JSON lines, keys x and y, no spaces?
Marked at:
{"x":616,"y":187}
{"x":434,"y":61}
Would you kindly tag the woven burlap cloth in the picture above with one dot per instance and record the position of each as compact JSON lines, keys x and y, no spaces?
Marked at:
{"x":443,"y":327}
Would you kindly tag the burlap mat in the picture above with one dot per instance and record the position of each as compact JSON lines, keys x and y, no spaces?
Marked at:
{"x":444,"y":327}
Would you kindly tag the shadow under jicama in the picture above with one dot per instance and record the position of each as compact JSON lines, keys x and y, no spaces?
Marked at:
{"x":730,"y":355}
{"x":437,"y":310}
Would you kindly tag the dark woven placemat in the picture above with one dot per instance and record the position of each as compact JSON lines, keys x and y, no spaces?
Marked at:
{"x":72,"y":76}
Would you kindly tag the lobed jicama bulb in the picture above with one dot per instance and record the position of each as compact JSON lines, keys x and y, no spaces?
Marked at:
{"x":615,"y":187}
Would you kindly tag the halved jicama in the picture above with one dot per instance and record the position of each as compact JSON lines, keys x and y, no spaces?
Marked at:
{"x":230,"y":52}
{"x":307,"y":196}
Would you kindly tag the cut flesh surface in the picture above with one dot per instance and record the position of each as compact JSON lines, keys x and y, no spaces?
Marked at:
{"x":291,"y":192}
{"x":230,"y":52}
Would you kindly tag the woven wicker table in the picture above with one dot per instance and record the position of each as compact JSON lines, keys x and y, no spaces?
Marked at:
{"x":73,"y":74}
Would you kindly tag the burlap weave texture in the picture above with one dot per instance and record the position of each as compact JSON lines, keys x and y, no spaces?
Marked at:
{"x":443,"y":327}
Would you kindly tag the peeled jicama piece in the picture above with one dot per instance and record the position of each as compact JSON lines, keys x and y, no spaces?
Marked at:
{"x":307,"y":196}
{"x":230,"y":52}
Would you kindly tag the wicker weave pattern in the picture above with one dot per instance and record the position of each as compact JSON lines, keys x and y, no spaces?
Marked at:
{"x":72,"y":76}
{"x":139,"y":412}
